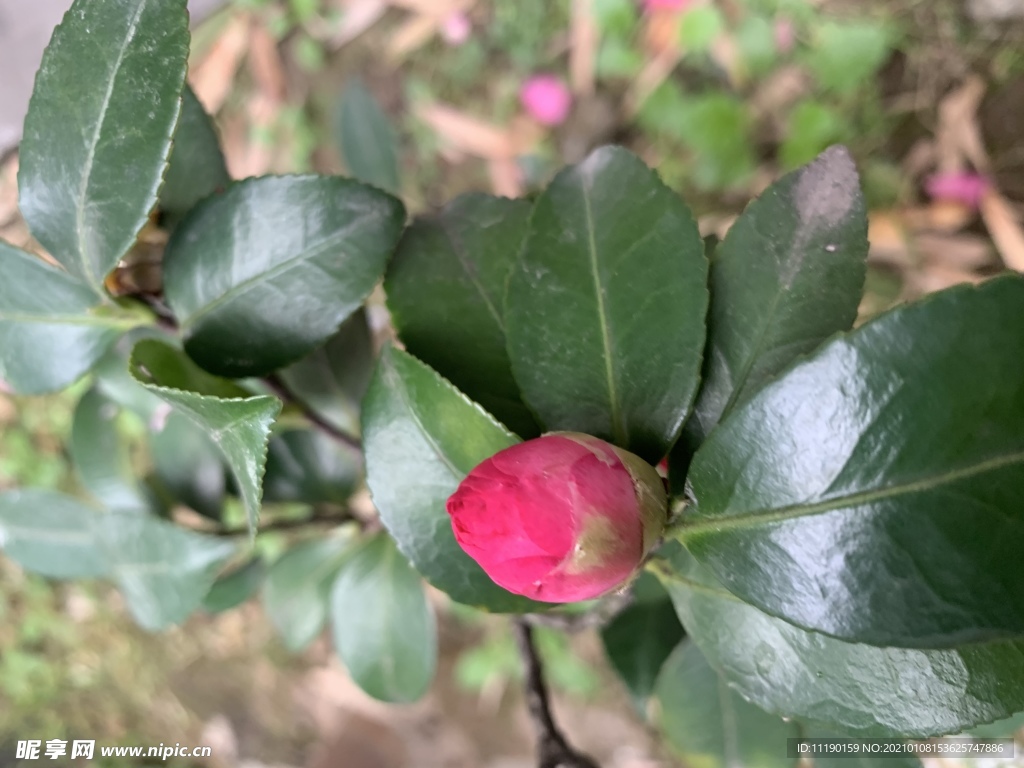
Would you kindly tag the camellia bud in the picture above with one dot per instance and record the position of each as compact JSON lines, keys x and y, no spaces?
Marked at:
{"x":561,"y":518}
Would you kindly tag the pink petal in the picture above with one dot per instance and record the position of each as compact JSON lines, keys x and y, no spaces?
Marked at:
{"x":456,"y":28}
{"x":785,"y":35}
{"x":965,"y":188}
{"x":546,"y":99}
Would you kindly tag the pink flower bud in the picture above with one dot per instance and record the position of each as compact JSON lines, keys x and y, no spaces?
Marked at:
{"x":785,"y":35}
{"x":546,"y":99}
{"x":964,"y":188}
{"x":561,"y":518}
{"x":456,"y":28}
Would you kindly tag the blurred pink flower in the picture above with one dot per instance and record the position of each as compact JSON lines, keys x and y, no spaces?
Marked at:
{"x":456,"y":28}
{"x":546,"y":98}
{"x":785,"y":35}
{"x":964,"y":188}
{"x":666,"y":5}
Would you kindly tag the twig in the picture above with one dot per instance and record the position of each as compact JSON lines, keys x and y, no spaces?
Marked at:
{"x":602,"y":614}
{"x":164,"y":317}
{"x":553,"y":751}
{"x":279,"y":388}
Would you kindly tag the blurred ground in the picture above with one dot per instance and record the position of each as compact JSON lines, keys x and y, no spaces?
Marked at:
{"x":721,"y":96}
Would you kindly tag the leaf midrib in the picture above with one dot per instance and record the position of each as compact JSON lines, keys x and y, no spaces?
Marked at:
{"x":757,"y":347}
{"x":471,"y":274}
{"x":240,"y":289}
{"x":63,"y":319}
{"x":90,"y":156}
{"x":794,"y":511}
{"x":618,"y":428}
{"x":397,"y":382}
{"x":24,"y":534}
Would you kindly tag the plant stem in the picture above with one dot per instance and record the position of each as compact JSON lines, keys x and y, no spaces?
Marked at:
{"x":330,"y":518}
{"x":279,"y":388}
{"x":607,"y":609}
{"x":553,"y":751}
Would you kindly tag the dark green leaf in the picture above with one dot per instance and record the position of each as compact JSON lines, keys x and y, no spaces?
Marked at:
{"x":238,"y":425}
{"x":857,"y":689}
{"x":196,"y":167}
{"x":52,"y":534}
{"x":100,"y":454}
{"x":333,"y":378}
{"x":872,"y":492}
{"x":235,"y":587}
{"x":605,"y":312}
{"x":446,"y":292}
{"x":298,"y":588}
{"x":189,"y":465}
{"x":234,"y":267}
{"x":640,"y":638}
{"x":384,"y":629}
{"x":366,"y":139}
{"x":52,"y":327}
{"x":163,"y":571}
{"x":710,"y":725}
{"x":303,"y":465}
{"x":787,"y":276}
{"x":421,"y":437}
{"x":98,"y":130}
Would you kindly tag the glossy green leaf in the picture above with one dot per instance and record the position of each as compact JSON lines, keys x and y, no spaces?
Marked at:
{"x":309,"y":466}
{"x":99,"y":127}
{"x":872,"y":492}
{"x":421,"y":436}
{"x":640,"y":638}
{"x":366,"y":139}
{"x":162,"y":570}
{"x":196,"y":167}
{"x":238,"y":425}
{"x":116,"y":383}
{"x":298,"y":588}
{"x":100,"y":455}
{"x":605,"y":310}
{"x":52,"y":534}
{"x":384,"y":629}
{"x":234,"y":267}
{"x":189,"y":464}
{"x":52,"y":327}
{"x":788,"y":275}
{"x":333,"y":378}
{"x":709,"y":725}
{"x":856,"y":689}
{"x":446,"y":292}
{"x":235,"y":587}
